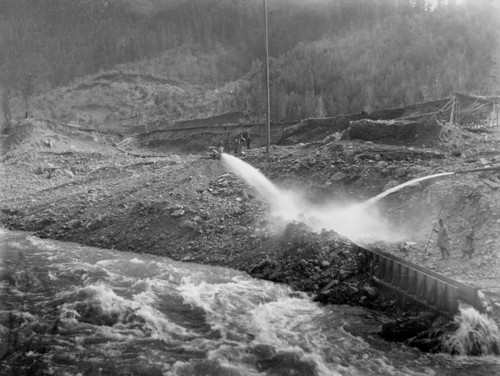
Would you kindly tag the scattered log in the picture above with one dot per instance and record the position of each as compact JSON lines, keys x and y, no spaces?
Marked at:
{"x":491,"y":184}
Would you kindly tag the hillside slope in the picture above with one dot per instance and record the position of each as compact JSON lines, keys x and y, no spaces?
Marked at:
{"x":117,"y":100}
{"x":81,"y":188}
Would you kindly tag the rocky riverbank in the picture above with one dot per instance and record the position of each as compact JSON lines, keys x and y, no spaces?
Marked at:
{"x":79,"y":187}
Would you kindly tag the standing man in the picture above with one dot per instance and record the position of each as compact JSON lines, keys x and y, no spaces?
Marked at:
{"x":443,"y":240}
{"x":241,"y":141}
{"x":237,"y":148}
{"x":248,"y":139}
{"x":469,"y":245}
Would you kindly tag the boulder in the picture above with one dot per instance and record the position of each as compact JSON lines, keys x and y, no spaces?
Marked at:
{"x":404,"y":329}
{"x":190,"y":225}
{"x":177,"y":213}
{"x":338,"y":176}
{"x":389,"y":185}
{"x":68,"y":173}
{"x":204,"y":215}
{"x":240,"y":230}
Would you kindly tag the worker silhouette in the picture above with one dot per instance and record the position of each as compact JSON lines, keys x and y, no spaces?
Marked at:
{"x":443,"y":241}
{"x":469,"y":248}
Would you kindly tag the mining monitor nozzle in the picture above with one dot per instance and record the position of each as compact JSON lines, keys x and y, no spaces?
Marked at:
{"x":491,"y":168}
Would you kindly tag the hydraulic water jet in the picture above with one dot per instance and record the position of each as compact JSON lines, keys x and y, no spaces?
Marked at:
{"x":417,"y":180}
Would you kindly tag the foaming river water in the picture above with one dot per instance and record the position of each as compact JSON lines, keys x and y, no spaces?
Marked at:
{"x":68,"y":309}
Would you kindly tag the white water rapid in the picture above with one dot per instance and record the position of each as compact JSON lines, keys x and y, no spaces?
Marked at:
{"x":68,"y":309}
{"x":477,"y":334}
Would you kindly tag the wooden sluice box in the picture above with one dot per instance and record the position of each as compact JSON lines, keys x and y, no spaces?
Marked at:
{"x":420,"y":284}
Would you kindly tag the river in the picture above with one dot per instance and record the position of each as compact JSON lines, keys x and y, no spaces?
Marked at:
{"x":68,"y":309}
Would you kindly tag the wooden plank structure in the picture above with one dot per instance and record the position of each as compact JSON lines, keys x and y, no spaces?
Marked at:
{"x":422,"y":285}
{"x":466,"y":107}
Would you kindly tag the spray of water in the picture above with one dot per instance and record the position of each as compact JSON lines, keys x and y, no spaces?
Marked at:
{"x":407,"y":184}
{"x":477,"y":334}
{"x":356,"y":221}
{"x":283,"y":203}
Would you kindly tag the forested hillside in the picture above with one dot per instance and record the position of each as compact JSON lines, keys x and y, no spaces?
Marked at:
{"x":327,"y":56}
{"x":406,"y":57}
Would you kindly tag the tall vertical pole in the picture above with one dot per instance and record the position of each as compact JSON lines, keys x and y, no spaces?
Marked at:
{"x":452,"y":109}
{"x":268,"y":99}
{"x":496,"y":105}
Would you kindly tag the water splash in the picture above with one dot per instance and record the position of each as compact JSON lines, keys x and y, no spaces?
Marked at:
{"x":354,"y":220}
{"x":477,"y":334}
{"x":360,"y":222}
{"x":401,"y":186}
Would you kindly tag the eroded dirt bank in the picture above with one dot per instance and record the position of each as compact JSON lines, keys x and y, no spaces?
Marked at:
{"x":80,"y":188}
